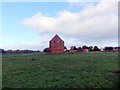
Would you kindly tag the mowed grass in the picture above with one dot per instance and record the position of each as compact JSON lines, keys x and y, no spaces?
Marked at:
{"x":67,"y":70}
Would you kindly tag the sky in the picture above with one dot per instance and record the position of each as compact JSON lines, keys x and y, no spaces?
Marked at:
{"x":31,"y":25}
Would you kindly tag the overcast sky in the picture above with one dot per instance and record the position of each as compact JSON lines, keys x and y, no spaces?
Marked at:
{"x":31,"y":25}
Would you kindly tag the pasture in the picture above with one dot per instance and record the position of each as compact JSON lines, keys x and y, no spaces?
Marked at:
{"x":67,"y":70}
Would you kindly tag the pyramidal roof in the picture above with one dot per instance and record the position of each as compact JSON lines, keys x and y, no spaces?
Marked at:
{"x":56,"y":38}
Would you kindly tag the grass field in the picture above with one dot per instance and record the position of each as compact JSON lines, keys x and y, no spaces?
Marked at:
{"x":68,"y":70}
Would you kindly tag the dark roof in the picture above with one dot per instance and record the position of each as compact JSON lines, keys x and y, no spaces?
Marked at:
{"x":56,"y":38}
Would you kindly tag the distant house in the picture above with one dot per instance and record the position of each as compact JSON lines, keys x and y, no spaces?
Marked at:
{"x":56,"y":45}
{"x":71,"y":51}
{"x":116,"y":49}
{"x":85,"y":50}
{"x":101,"y":50}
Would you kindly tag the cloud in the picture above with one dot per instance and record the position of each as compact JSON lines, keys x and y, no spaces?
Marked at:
{"x":95,"y":19}
{"x":94,"y":23}
{"x":26,"y":45}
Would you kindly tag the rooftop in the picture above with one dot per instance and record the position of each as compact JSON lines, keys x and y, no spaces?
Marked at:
{"x":56,"y":38}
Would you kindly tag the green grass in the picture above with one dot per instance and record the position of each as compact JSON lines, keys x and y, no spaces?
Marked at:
{"x":68,"y":70}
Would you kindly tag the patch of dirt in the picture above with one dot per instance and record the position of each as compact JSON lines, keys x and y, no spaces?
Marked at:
{"x":18,"y":72}
{"x":35,"y":66}
{"x":50,"y":69}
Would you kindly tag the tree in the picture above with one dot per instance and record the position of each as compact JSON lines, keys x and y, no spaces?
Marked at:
{"x":9,"y":51}
{"x":46,"y":50}
{"x":85,"y":47}
{"x":17,"y":51}
{"x":79,"y":49}
{"x":2,"y":51}
{"x":37,"y":51}
{"x":108,"y":48}
{"x":90,"y":48}
{"x":73,"y":48}
{"x":65,"y":47}
{"x":96,"y":48}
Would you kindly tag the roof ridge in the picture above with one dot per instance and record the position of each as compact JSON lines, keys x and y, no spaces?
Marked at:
{"x":56,"y":37}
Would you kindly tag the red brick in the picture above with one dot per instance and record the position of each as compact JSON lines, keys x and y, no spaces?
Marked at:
{"x":56,"y":45}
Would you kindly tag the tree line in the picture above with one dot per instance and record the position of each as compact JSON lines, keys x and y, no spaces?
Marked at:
{"x":90,"y":48}
{"x":17,"y":51}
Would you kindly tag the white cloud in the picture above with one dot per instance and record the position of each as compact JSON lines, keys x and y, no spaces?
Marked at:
{"x":91,"y":20}
{"x":94,"y":23}
{"x":26,"y":45}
